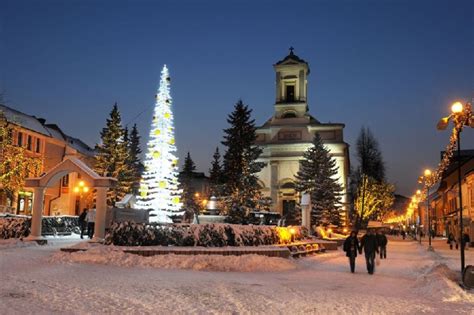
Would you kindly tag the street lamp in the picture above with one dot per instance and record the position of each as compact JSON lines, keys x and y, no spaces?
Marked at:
{"x":461,"y":116}
{"x":425,"y":180}
{"x":418,"y":198}
{"x":81,"y":189}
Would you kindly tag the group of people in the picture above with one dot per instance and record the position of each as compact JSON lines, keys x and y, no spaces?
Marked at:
{"x":87,"y":221}
{"x":371,"y":243}
{"x":465,"y":241}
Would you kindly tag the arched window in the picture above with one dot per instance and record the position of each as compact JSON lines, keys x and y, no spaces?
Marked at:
{"x":290,"y":114}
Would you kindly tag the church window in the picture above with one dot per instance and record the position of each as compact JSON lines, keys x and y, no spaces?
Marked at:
{"x":290,"y":93}
{"x":29,"y":143}
{"x":20,"y":139}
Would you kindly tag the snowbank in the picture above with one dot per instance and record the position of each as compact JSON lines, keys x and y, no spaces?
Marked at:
{"x":441,"y":282}
{"x":15,"y":243}
{"x":109,"y":255}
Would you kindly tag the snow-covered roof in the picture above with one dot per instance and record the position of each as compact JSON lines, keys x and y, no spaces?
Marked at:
{"x":26,"y":121}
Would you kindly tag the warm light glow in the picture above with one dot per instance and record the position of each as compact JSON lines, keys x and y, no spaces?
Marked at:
{"x":76,"y":189}
{"x":457,"y":108}
{"x":292,"y":230}
{"x":85,"y":189}
{"x":418,"y":192}
{"x":204,"y":202}
{"x":329,"y":230}
{"x":196,"y":195}
{"x":344,"y":230}
{"x":81,"y":183}
{"x":427,"y":172}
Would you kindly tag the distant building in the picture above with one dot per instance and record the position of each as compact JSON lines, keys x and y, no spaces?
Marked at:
{"x":199,"y":183}
{"x":290,"y":132}
{"x":447,"y":207}
{"x":50,"y":144}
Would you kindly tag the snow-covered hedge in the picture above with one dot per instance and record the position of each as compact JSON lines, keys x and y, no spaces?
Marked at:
{"x":207,"y":235}
{"x":12,"y":226}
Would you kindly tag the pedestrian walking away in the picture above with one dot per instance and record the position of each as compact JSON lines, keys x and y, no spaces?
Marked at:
{"x":82,"y":221}
{"x":351,"y":245}
{"x":451,"y":240}
{"x":369,"y":244}
{"x":382,"y":242}
{"x":90,"y":223}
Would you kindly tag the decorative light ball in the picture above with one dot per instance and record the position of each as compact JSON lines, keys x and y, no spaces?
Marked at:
{"x":176,"y":200}
{"x":167,"y":115}
{"x":156,"y":154}
{"x":172,"y":141}
{"x":143,"y":194}
{"x":157,"y":132}
{"x":162,"y":184}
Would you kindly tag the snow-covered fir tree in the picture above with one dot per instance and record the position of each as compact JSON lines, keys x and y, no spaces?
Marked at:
{"x":134,"y":161}
{"x":159,"y":186}
{"x":240,"y":167}
{"x":112,"y":156}
{"x":215,"y":174}
{"x":316,"y":176}
{"x":190,"y":204}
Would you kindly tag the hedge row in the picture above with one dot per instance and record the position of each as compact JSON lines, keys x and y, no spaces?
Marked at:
{"x":12,"y":226}
{"x":207,"y":235}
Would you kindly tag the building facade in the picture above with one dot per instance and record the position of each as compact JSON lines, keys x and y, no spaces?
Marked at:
{"x":51,"y":145}
{"x":290,"y":132}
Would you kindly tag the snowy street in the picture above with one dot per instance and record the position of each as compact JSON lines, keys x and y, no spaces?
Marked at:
{"x":38,"y":279}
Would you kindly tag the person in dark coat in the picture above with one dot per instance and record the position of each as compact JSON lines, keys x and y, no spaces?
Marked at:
{"x":382,"y":242}
{"x":82,"y":221}
{"x":466,"y":240}
{"x":369,"y":244}
{"x":451,"y":240}
{"x":351,"y":245}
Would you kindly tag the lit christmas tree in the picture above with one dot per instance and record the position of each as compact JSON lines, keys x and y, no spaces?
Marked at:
{"x":159,"y":186}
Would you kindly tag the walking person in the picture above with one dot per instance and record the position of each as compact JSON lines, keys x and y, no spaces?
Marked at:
{"x":351,"y":245}
{"x":466,"y":240}
{"x":82,"y":221}
{"x":369,"y":244}
{"x":451,"y":240}
{"x":90,"y":223}
{"x":382,"y":242}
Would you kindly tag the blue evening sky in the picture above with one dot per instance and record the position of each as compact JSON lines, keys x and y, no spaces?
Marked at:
{"x":394,"y":66}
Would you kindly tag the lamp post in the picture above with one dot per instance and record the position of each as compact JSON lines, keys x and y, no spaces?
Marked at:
{"x":425,"y":180}
{"x":418,"y":198}
{"x":461,"y":116}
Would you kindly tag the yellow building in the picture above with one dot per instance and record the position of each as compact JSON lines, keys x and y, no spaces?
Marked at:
{"x":290,"y":132}
{"x":50,"y":144}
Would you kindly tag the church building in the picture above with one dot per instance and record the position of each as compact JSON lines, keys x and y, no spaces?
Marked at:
{"x":290,"y":132}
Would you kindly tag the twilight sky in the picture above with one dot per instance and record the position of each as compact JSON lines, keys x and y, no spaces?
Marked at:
{"x":394,"y":66}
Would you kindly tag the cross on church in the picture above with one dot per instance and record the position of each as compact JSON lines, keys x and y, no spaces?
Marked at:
{"x":291,"y":50}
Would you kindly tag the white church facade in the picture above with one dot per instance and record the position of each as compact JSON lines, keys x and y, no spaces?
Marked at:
{"x":290,"y":132}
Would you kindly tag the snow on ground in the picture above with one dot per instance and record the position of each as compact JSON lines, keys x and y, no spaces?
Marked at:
{"x":110,"y":255}
{"x":38,"y":280}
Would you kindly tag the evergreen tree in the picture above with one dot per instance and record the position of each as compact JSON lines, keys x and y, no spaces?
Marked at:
{"x":15,"y":164}
{"x":369,"y":156}
{"x":215,"y":174}
{"x":134,"y":160}
{"x":112,"y":156}
{"x":316,"y":177}
{"x":190,"y":204}
{"x":159,"y":186}
{"x":240,"y":166}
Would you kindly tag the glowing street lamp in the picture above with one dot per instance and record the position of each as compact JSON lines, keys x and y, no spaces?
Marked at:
{"x":81,"y":189}
{"x":425,"y":179}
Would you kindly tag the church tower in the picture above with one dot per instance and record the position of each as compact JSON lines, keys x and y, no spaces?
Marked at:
{"x":290,"y":132}
{"x":291,"y":87}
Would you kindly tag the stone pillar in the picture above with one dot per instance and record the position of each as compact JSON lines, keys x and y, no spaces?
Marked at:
{"x":101,"y":208}
{"x":305,"y":210}
{"x":302,"y":96}
{"x":274,"y":184}
{"x":38,"y":197}
{"x":278,"y":87}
